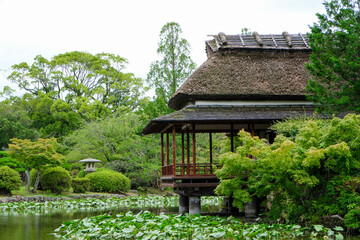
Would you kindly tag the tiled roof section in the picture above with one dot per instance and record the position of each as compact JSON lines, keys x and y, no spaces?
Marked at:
{"x":257,"y":41}
{"x":223,"y":114}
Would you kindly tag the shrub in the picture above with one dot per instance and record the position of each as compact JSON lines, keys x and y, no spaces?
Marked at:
{"x":9,"y":180}
{"x":81,"y":174}
{"x":5,"y":160}
{"x":56,"y":179}
{"x":311,"y":170}
{"x":352,"y":218}
{"x":136,"y":173}
{"x":80,"y":185}
{"x":108,"y":181}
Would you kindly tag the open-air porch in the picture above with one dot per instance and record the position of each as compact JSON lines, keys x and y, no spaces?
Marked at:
{"x":181,"y":168}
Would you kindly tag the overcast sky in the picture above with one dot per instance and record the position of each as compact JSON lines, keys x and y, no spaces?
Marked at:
{"x":131,"y":28}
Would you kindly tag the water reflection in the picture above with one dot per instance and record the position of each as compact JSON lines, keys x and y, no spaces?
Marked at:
{"x":41,"y":226}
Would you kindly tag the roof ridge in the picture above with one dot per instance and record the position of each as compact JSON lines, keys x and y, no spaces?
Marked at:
{"x":255,"y":40}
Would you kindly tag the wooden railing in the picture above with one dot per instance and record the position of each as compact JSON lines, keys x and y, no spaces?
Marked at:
{"x":202,"y":169}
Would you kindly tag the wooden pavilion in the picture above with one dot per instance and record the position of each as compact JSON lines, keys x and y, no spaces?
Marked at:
{"x":248,"y":82}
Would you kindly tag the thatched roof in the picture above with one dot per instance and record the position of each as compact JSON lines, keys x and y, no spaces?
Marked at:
{"x":253,"y":68}
{"x":218,"y":114}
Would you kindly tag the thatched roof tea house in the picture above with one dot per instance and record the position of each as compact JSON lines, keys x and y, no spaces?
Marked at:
{"x":247,"y":82}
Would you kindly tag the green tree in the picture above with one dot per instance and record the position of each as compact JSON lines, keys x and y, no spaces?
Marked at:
{"x":175,"y":66}
{"x":311,"y":170}
{"x":14,"y":122}
{"x":117,"y":139}
{"x":93,"y":85}
{"x":35,"y":155}
{"x":51,"y":117}
{"x":5,"y":160}
{"x":335,"y":58}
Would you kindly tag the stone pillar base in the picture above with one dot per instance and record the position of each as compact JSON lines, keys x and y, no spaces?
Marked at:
{"x":183,"y":204}
{"x":194,"y":205}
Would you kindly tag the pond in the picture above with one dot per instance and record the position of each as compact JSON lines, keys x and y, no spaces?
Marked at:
{"x":40,"y":223}
{"x":30,"y":220}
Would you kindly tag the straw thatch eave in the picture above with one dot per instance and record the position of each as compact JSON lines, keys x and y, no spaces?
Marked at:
{"x":247,"y":74}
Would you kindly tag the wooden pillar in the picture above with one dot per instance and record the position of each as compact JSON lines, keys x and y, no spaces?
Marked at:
{"x":210,"y":153}
{"x":182,"y":153}
{"x":162,"y":152}
{"x":194,"y":148}
{"x":232,"y":137}
{"x":252,"y":130}
{"x":188,"y":153}
{"x":174,"y":150}
{"x":167,"y":154}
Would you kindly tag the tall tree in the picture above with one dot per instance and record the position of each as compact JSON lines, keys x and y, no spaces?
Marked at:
{"x":14,"y":122}
{"x":35,"y":155}
{"x":167,"y":74}
{"x":335,"y":57}
{"x":82,"y":80}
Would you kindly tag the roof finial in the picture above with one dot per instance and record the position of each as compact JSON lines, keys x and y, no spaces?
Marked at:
{"x":258,"y":38}
{"x":287,"y":38}
{"x":222,"y":38}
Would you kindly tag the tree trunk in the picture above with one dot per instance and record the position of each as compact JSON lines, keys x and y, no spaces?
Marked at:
{"x":27,"y":186}
{"x":37,"y":182}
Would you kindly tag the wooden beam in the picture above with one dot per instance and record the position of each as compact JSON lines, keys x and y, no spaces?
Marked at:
{"x":182,"y":154}
{"x":210,"y":153}
{"x":188,"y":153}
{"x":162,"y":150}
{"x":232,"y":137}
{"x":174,"y":150}
{"x":302,"y":37}
{"x":167,"y":150}
{"x":194,"y":148}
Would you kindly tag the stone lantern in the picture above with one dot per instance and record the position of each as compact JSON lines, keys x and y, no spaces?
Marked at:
{"x":90,"y":164}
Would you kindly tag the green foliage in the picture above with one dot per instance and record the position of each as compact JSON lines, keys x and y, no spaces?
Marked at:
{"x":175,"y":66}
{"x":37,"y":155}
{"x":14,"y":122}
{"x":335,"y":61}
{"x":310,"y":172}
{"x":5,"y":160}
{"x":108,"y":181}
{"x":92,"y":85}
{"x":81,"y":174}
{"x":118,"y":139}
{"x":141,"y":175}
{"x":146,"y":225}
{"x":131,"y":203}
{"x":352,"y":218}
{"x":80,"y":185}
{"x":56,"y":179}
{"x":9,"y":180}
{"x":51,"y":116}
{"x":245,"y":31}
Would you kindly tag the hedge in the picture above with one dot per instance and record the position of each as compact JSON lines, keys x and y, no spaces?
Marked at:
{"x":108,"y":181}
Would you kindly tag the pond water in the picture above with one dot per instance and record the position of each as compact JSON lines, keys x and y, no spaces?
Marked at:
{"x":41,"y":226}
